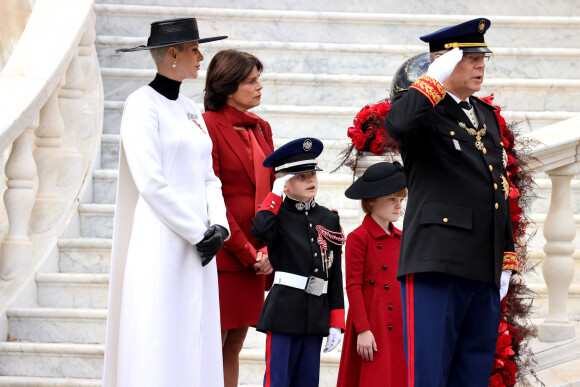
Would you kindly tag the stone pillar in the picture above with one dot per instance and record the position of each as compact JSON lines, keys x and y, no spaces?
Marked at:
{"x":49,"y":205}
{"x":90,"y":68}
{"x":558,"y":266}
{"x":71,"y":105}
{"x":16,"y":252}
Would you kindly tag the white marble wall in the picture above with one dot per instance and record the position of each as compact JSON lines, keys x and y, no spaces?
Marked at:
{"x":452,"y":7}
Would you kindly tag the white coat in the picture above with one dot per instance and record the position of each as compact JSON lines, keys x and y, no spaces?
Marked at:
{"x":163,"y":326}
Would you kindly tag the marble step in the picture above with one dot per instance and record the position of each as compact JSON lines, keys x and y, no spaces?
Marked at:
{"x":29,"y":381}
{"x":490,"y":7}
{"x":363,"y":58}
{"x":347,"y":27}
{"x":57,"y":325}
{"x":332,"y":122}
{"x":105,"y":184}
{"x":96,"y":220}
{"x":67,"y":290}
{"x":85,"y":255}
{"x":51,"y":360}
{"x":358,"y":90}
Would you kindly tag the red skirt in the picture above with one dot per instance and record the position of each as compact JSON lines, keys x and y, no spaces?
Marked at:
{"x":241,"y":298}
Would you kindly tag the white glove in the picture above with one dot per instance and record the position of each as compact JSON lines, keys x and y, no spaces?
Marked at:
{"x":504,"y":283}
{"x":443,"y":66}
{"x":279,"y":184}
{"x":334,"y":337}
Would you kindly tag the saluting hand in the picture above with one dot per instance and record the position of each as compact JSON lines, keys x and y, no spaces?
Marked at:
{"x":366,"y":346}
{"x":280,"y":184}
{"x":443,"y":66}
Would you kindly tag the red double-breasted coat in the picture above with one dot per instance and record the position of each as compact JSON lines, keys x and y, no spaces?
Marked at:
{"x":241,"y":290}
{"x":374,"y":299}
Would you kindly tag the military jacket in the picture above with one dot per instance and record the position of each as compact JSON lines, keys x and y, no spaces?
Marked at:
{"x":457,"y":219}
{"x":296,"y":239}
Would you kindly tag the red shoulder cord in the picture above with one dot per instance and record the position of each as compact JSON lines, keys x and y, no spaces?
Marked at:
{"x":334,"y":237}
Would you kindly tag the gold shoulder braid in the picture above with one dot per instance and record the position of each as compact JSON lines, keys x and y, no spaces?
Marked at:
{"x":478,"y":134}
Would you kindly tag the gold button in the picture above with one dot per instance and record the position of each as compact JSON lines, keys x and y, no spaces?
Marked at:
{"x":495,"y":185}
{"x":501,"y":143}
{"x":445,"y":220}
{"x":496,"y":206}
{"x":316,"y":270}
{"x":305,"y":212}
{"x":452,"y":133}
{"x":312,"y":239}
{"x":484,"y":151}
{"x":316,"y":254}
{"x":310,"y":224}
{"x":490,"y":168}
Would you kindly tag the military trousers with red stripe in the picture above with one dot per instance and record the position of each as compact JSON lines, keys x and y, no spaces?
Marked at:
{"x":292,"y":360}
{"x":450,"y":329}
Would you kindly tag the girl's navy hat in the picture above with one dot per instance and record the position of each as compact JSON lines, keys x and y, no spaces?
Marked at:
{"x":297,"y":156}
{"x":171,"y":32}
{"x":380,"y":179}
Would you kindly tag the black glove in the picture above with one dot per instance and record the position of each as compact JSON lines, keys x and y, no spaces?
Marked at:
{"x":212,"y":242}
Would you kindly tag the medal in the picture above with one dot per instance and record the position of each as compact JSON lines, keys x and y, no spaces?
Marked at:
{"x":193,"y":117}
{"x":505,"y":186}
{"x":478,"y":134}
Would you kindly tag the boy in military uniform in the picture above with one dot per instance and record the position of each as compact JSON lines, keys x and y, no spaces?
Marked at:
{"x":304,"y":243}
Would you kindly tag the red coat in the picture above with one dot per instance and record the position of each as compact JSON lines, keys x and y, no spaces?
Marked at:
{"x":242,"y":294}
{"x":374,"y":297}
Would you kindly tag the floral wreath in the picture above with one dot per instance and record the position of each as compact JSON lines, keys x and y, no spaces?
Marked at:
{"x":514,"y":360}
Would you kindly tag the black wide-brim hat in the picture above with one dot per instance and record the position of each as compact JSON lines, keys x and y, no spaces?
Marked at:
{"x":468,"y":36}
{"x":296,"y":156}
{"x":171,"y":32}
{"x":380,"y":179}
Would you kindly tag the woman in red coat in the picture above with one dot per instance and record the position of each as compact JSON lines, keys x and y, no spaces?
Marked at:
{"x":373,"y":352}
{"x":241,"y":142}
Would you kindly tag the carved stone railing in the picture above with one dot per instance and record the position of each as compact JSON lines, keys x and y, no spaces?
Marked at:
{"x":51,"y":112}
{"x":557,"y":153}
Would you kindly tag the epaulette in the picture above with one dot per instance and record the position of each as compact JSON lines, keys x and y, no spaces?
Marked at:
{"x":491,"y":107}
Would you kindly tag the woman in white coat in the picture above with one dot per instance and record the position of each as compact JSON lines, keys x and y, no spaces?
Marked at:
{"x":163,"y":326}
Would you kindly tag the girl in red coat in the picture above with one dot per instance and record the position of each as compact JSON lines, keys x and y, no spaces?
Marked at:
{"x":241,"y":142}
{"x":373,"y":352}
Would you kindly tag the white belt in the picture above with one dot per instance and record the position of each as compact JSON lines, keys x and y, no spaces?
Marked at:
{"x":311,"y":285}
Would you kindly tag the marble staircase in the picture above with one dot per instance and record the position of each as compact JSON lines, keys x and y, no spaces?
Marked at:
{"x":323,"y":61}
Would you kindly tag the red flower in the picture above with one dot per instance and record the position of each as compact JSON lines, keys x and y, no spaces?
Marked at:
{"x":496,"y":380}
{"x":364,"y":114}
{"x":514,"y":193}
{"x":382,"y":108}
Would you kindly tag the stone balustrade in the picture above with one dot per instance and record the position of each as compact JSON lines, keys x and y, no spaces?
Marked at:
{"x":51,"y":108}
{"x":557,"y":153}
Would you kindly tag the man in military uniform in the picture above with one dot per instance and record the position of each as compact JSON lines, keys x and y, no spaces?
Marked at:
{"x":457,"y":246}
{"x":304,"y":242}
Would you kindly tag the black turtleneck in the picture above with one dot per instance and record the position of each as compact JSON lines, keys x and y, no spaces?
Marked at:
{"x":166,"y":87}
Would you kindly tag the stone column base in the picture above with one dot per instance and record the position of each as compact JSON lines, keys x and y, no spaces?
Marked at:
{"x":550,"y":332}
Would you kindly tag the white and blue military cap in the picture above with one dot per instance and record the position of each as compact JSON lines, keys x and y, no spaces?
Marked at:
{"x":467,"y":36}
{"x":296,"y":156}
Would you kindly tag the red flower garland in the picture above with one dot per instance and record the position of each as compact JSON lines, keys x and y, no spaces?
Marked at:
{"x":368,"y":132}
